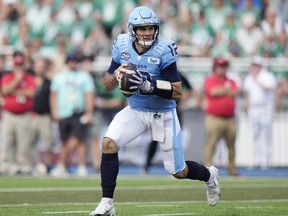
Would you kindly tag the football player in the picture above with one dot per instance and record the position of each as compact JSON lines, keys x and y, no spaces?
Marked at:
{"x":152,"y":107}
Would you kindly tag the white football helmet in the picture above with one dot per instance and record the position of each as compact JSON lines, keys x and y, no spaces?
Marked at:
{"x":142,"y":16}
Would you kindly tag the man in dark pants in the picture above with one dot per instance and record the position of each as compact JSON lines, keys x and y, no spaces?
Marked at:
{"x":41,"y":120}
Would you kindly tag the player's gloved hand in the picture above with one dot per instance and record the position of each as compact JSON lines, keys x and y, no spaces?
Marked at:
{"x":141,"y":82}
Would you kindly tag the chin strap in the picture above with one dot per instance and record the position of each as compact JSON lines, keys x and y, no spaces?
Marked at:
{"x":145,"y":44}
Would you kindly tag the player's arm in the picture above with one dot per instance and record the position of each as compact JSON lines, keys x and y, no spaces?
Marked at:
{"x":177,"y":91}
{"x":109,"y":82}
{"x":187,"y":88}
{"x":113,"y":75}
{"x":169,"y":75}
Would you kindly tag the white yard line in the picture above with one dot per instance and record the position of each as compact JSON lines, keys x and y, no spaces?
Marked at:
{"x":172,"y":214}
{"x":148,"y":203}
{"x":123,"y":188}
{"x":254,"y":207}
{"x":76,"y":212}
{"x":64,"y":212}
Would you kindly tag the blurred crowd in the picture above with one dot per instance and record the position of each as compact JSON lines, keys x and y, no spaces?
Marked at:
{"x":45,"y":32}
{"x":202,"y":28}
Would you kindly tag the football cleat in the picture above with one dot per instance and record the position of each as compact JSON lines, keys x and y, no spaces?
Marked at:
{"x":212,"y":187}
{"x":103,"y":209}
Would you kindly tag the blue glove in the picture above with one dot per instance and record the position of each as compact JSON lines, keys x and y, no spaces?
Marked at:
{"x":141,"y":82}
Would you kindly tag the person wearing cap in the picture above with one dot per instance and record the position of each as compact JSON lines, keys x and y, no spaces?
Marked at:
{"x":18,"y":89}
{"x":259,"y":91}
{"x":220,"y":122}
{"x":71,"y":101}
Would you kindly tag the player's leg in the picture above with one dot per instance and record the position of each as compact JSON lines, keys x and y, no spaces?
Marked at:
{"x":173,"y":159}
{"x":125,"y":127}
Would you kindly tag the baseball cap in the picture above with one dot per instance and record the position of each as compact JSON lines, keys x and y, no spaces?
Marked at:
{"x":72,"y":57}
{"x":220,"y":61}
{"x":18,"y":58}
{"x":257,"y":60}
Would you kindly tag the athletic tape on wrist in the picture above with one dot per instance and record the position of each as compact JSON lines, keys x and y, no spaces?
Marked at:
{"x":163,"y":89}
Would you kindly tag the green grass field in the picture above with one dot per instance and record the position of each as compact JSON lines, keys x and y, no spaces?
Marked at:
{"x":143,"y":196}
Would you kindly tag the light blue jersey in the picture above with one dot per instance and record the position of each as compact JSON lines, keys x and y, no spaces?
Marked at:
{"x":160,"y":55}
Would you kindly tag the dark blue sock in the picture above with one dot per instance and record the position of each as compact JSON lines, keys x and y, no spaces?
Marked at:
{"x":109,"y":173}
{"x":197,"y":171}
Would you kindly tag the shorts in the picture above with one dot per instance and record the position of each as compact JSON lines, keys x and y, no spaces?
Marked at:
{"x":71,"y":127}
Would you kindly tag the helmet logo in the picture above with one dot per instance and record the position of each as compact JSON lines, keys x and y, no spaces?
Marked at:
{"x":147,"y":22}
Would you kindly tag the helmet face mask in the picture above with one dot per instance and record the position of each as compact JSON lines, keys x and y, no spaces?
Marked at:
{"x":145,"y":35}
{"x":142,"y":17}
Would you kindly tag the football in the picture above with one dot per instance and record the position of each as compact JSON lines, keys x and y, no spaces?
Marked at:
{"x":125,"y":84}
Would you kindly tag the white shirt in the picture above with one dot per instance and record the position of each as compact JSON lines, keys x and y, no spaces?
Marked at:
{"x":257,"y":95}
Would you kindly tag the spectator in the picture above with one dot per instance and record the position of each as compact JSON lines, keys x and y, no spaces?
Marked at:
{"x":38,"y":16}
{"x":251,"y":8}
{"x":71,"y":102}
{"x":229,"y":31}
{"x":220,"y":92}
{"x":271,"y":48}
{"x":281,"y":8}
{"x":97,"y":42}
{"x":200,"y":34}
{"x":249,"y":36}
{"x":273,"y":24}
{"x":79,"y":30}
{"x":10,"y":24}
{"x":110,"y":13}
{"x":60,"y":54}
{"x":18,"y":88}
{"x":259,"y":87}
{"x":220,"y":152}
{"x":65,"y":14}
{"x":41,"y":121}
{"x":216,"y":14}
{"x":52,"y":30}
{"x":282,"y":94}
{"x":221,"y":45}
